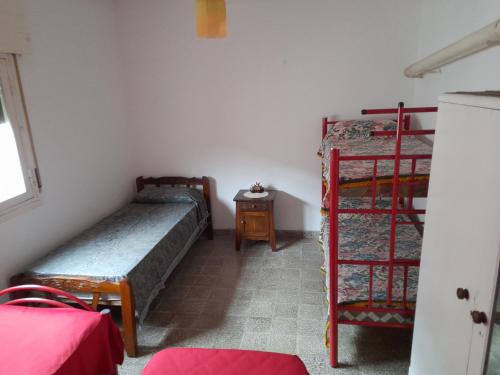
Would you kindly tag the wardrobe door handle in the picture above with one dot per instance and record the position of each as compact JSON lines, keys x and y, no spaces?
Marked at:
{"x":462,"y":293}
{"x":479,"y":317}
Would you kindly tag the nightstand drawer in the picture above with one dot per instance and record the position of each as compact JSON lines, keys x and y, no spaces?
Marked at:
{"x":258,"y":206}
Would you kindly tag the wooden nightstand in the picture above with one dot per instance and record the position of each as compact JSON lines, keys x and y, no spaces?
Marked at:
{"x":254,"y":218}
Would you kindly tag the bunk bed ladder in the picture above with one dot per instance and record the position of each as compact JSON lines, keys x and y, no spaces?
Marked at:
{"x":333,"y":257}
{"x":394,"y":201}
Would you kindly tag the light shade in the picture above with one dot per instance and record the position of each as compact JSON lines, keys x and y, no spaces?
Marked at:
{"x":211,"y":19}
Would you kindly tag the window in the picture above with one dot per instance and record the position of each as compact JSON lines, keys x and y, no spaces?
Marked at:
{"x":19,"y":182}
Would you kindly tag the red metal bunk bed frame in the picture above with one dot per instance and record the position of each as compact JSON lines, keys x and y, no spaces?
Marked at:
{"x":403,"y":129}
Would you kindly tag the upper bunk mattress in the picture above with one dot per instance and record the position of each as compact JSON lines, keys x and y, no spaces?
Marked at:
{"x":142,"y":242}
{"x":353,"y":138}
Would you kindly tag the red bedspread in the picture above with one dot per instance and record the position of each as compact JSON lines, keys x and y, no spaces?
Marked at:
{"x":191,"y":361}
{"x":42,"y":341}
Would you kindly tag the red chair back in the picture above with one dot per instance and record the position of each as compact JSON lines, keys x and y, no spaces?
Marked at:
{"x":45,"y":301}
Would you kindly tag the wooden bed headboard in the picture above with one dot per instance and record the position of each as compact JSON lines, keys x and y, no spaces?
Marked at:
{"x":204,"y":182}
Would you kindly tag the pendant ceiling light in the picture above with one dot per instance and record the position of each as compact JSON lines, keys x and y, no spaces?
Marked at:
{"x":211,"y":19}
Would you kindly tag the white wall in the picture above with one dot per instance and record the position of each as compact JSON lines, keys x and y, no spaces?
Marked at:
{"x":73,"y":88}
{"x":441,"y":23}
{"x":249,"y":107}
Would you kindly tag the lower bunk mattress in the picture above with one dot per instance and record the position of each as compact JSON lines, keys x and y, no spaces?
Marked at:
{"x":367,"y":237}
{"x":142,"y":242}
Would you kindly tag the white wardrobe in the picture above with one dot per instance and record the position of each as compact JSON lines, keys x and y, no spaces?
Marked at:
{"x":454,"y":322}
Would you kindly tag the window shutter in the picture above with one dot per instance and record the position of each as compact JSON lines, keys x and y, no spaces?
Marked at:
{"x":14,"y":35}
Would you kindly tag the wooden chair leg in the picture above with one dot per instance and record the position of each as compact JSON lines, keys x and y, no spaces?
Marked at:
{"x":128,"y":318}
{"x":95,"y":300}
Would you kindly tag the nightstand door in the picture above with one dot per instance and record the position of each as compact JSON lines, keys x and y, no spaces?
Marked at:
{"x":254,"y":224}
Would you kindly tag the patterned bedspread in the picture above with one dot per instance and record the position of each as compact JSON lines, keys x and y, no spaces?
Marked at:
{"x":366,"y":237}
{"x":353,"y":138}
{"x":141,"y":241}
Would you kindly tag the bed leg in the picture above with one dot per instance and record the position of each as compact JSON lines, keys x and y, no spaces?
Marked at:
{"x":334,"y":345}
{"x":128,"y":319}
{"x":210,"y":231}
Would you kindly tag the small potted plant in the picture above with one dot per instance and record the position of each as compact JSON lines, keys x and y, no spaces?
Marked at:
{"x":257,"y":188}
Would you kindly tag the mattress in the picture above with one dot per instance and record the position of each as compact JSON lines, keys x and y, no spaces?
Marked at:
{"x":142,"y":242}
{"x":366,"y":237}
{"x":356,"y":176}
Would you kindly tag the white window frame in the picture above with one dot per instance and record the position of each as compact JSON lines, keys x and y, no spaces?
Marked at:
{"x":16,"y":112}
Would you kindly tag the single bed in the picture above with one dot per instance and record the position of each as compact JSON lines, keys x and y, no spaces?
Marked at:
{"x":126,"y":258}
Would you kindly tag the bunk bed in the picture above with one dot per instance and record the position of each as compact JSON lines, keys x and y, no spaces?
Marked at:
{"x":371,"y":233}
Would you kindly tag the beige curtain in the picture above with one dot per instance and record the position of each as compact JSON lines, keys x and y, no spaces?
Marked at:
{"x":14,"y":35}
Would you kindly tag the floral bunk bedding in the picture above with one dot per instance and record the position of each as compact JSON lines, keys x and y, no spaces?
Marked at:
{"x":366,"y":237}
{"x":354,"y":138}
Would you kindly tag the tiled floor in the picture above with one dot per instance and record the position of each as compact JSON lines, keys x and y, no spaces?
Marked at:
{"x":257,"y":299}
